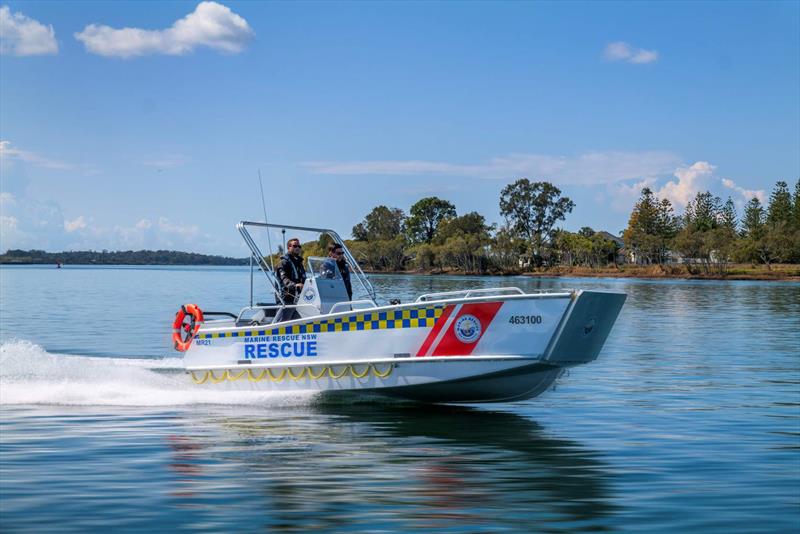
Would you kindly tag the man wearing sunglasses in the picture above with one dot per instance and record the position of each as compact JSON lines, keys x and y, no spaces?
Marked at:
{"x":336,"y":256}
{"x":291,"y":272}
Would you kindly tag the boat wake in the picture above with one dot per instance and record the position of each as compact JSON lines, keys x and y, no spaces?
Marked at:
{"x":31,"y":375}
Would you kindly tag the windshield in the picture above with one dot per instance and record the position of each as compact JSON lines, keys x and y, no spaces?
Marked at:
{"x":324,"y":268}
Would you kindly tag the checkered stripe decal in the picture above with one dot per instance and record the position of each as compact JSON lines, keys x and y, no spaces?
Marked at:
{"x":410,"y":318}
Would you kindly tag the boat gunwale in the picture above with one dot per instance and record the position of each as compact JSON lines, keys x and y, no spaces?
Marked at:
{"x":303,"y":320}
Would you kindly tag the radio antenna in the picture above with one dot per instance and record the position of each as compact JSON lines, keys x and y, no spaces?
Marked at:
{"x":264,"y":205}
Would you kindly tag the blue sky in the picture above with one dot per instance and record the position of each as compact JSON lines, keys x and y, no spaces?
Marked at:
{"x":152,"y":136}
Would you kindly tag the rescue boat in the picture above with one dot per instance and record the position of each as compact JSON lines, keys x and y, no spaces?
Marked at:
{"x":474,"y":345}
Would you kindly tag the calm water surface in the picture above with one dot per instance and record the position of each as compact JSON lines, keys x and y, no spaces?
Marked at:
{"x":689,"y":420}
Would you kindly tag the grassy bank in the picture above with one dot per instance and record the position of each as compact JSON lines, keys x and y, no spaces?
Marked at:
{"x":742,"y":271}
{"x":693,"y":272}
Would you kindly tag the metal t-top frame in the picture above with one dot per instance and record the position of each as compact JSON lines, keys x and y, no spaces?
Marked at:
{"x":266,"y":266}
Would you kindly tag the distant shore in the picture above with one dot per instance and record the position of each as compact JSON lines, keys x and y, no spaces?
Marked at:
{"x":119,"y":257}
{"x":777,"y":272}
{"x":738,"y":271}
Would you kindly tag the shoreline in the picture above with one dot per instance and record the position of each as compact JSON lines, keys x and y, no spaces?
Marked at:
{"x":778,"y":273}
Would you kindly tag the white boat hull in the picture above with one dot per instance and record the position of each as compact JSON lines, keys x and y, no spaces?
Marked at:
{"x":489,"y":349}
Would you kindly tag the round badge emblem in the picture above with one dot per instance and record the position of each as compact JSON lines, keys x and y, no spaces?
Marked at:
{"x":309,"y":294}
{"x":467,"y":328}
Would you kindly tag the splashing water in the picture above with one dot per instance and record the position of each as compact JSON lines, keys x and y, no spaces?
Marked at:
{"x":31,"y":375}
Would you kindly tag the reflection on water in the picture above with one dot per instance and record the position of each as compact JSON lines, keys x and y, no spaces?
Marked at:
{"x":443,"y":466}
{"x":688,"y":421}
{"x":331,"y":467}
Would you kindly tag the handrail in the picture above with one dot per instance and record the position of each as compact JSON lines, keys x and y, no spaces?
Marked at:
{"x":470,"y":292}
{"x":262,"y":263}
{"x":275,"y":307}
{"x":351,"y":303}
{"x":276,"y":287}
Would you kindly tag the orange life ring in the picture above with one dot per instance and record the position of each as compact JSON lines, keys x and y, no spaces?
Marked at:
{"x":183,"y":333}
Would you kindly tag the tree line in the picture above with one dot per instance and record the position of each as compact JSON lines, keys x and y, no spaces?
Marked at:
{"x":708,"y":236}
{"x":127,"y":257}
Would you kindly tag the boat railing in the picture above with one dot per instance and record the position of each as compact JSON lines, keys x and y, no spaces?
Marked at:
{"x":273,"y":313}
{"x":467,"y":293}
{"x":352,"y":305}
{"x":258,"y":256}
{"x":267,"y":268}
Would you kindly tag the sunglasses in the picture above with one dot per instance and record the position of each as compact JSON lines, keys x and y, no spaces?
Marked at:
{"x":296,"y":246}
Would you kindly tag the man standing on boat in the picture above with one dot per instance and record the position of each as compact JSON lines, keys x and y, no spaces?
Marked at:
{"x":291,"y":272}
{"x":336,"y":257}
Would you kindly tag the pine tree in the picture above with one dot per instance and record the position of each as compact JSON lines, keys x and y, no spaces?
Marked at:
{"x":729,"y":219}
{"x":666,"y":221}
{"x":704,"y":212}
{"x":753,"y":220}
{"x":641,"y":233}
{"x":780,"y":205}
{"x":796,"y":207}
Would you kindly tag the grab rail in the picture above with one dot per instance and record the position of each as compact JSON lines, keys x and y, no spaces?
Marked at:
{"x":470,"y":292}
{"x":351,"y":303}
{"x":277,"y":308}
{"x":257,"y":255}
{"x":272,"y":277}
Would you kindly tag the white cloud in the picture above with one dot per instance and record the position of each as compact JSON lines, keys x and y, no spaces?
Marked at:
{"x":687,"y":183}
{"x":7,"y":151}
{"x":24,"y":36}
{"x":588,"y":168}
{"x":33,"y":223}
{"x":77,"y":224}
{"x":187,"y":231}
{"x":144,"y":234}
{"x":623,"y":196}
{"x":29,"y":223}
{"x":9,"y":234}
{"x":691,"y":180}
{"x":644,"y":56}
{"x":746,"y":194}
{"x":8,"y":221}
{"x":700,"y":177}
{"x":622,"y":51}
{"x":210,"y":24}
{"x":10,"y":153}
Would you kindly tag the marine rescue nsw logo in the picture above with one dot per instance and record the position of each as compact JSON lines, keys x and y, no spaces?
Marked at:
{"x":467,"y":328}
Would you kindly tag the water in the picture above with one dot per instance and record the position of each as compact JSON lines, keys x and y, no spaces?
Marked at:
{"x":689,"y":420}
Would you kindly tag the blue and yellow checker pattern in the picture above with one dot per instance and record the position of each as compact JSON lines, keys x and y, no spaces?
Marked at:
{"x":411,"y":318}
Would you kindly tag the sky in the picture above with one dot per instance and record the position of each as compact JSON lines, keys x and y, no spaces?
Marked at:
{"x":130,"y":125}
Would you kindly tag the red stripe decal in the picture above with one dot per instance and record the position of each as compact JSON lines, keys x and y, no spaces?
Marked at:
{"x":435,"y":331}
{"x":451,"y":345}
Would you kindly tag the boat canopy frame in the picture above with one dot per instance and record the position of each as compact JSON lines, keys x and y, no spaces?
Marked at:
{"x":267,"y":268}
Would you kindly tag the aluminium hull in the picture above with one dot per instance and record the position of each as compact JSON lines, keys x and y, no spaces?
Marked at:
{"x":452,"y":380}
{"x":490,"y":349}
